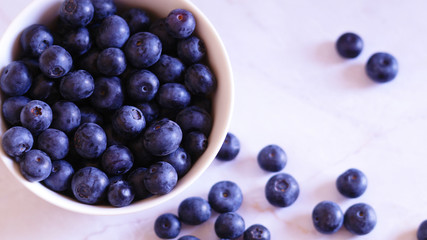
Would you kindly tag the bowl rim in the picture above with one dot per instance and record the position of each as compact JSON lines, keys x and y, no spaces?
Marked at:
{"x":223,"y":102}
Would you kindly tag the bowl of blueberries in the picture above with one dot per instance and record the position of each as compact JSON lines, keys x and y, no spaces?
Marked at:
{"x":112,"y":107}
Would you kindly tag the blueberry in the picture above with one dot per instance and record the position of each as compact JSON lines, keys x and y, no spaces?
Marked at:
{"x":36,"y":116}
{"x":195,"y":143}
{"x":44,"y":88}
{"x":32,"y":65}
{"x":229,"y":225}
{"x":113,"y":32}
{"x":382,"y":67}
{"x":59,"y":179}
{"x":53,"y":142}
{"x":327,"y":217}
{"x":90,"y":115}
{"x":35,"y":39}
{"x":128,"y":121}
{"x":352,"y":183}
{"x":199,"y":80}
{"x":349,"y":45}
{"x":229,"y":149}
{"x":103,"y":9}
{"x":281,"y":190}
{"x":173,"y":95}
{"x":16,"y":141}
{"x":161,"y":178}
{"x":158,"y":28}
{"x":120,"y":193}
{"x":88,"y":62}
{"x":191,"y":50}
{"x":77,"y":85}
{"x":90,"y":140}
{"x":66,"y":116}
{"x":137,"y":19}
{"x":225,"y":196}
{"x":150,"y":110}
{"x":113,"y":138}
{"x":169,"y":69}
{"x":143,"y":49}
{"x":117,"y":160}
{"x":111,"y":62}
{"x":107,"y":94}
{"x":89,"y":185}
{"x":141,"y":156}
{"x":162,"y":137}
{"x":136,"y":180}
{"x":179,"y":160}
{"x":77,"y":41}
{"x":35,"y":166}
{"x":180,"y":23}
{"x":188,"y":237}
{"x":256,"y":232}
{"x":142,"y":85}
{"x":55,"y":62}
{"x":15,"y":79}
{"x":167,"y":226}
{"x":360,"y":219}
{"x":422,"y":231}
{"x":194,"y":211}
{"x":272,"y":158}
{"x":12,"y":109}
{"x":194,"y":118}
{"x":76,"y":13}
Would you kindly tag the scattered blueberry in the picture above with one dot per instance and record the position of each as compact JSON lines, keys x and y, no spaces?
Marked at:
{"x":111,"y":61}
{"x":108,"y":93}
{"x":16,"y":141}
{"x":256,"y":232}
{"x":36,"y":116}
{"x":349,"y":45}
{"x":194,"y":118}
{"x":167,"y":226}
{"x":66,"y":116}
{"x":360,"y":219}
{"x":281,"y":190}
{"x":422,"y":231}
{"x":179,"y":160}
{"x":35,"y":39}
{"x":143,"y":49}
{"x":137,"y":19}
{"x":120,"y":193}
{"x":59,"y":179}
{"x":352,"y":183}
{"x":162,"y":137}
{"x":90,"y":140}
{"x":54,"y":143}
{"x":327,"y":217}
{"x":76,"y":13}
{"x":180,"y":23}
{"x":117,"y":160}
{"x":225,"y":196}
{"x":89,"y":185}
{"x":382,"y":67}
{"x":195,"y":143}
{"x":77,"y":85}
{"x":142,"y":85}
{"x":191,"y":50}
{"x":161,"y":178}
{"x":272,"y":158}
{"x":194,"y":211}
{"x":230,"y":148}
{"x":15,"y":79}
{"x":229,"y":225}
{"x":55,"y":61}
{"x":169,"y":69}
{"x":199,"y":80}
{"x":35,"y":166}
{"x":12,"y":109}
{"x":113,"y":32}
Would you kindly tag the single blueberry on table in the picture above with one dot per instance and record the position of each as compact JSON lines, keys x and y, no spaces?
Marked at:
{"x":35,"y":39}
{"x":66,"y":116}
{"x":117,"y":160}
{"x":169,"y":69}
{"x":173,"y":96}
{"x":281,"y":190}
{"x":191,"y":50}
{"x":89,"y":185}
{"x":90,"y":140}
{"x":352,"y":183}
{"x":120,"y":193}
{"x":229,"y":225}
{"x":76,"y":13}
{"x":12,"y":109}
{"x":77,"y":41}
{"x":180,"y":23}
{"x":55,"y":61}
{"x":382,"y":67}
{"x":137,"y":19}
{"x":136,"y":180}
{"x":90,"y":115}
{"x":103,"y":9}
{"x":128,"y":121}
{"x":15,"y":79}
{"x":167,"y":226}
{"x":158,"y":28}
{"x":35,"y":165}
{"x":229,"y":149}
{"x":422,"y":231}
{"x":44,"y":88}
{"x":327,"y":217}
{"x":180,"y":160}
{"x":113,"y":32}
{"x":256,"y":232}
{"x":272,"y":158}
{"x":194,"y":211}
{"x":59,"y":179}
{"x":36,"y":116}
{"x":188,"y":237}
{"x":225,"y":196}
{"x":349,"y":45}
{"x":162,"y":137}
{"x":142,"y":85}
{"x":360,"y":219}
{"x":150,"y":110}
{"x":195,"y":143}
{"x":108,"y":93}
{"x":16,"y":141}
{"x":111,"y":61}
{"x":54,"y":143}
{"x":161,"y":178}
{"x":77,"y":85}
{"x":143,"y":49}
{"x":194,"y":118}
{"x":199,"y":80}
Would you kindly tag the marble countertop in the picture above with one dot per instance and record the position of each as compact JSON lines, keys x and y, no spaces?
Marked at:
{"x":292,"y":89}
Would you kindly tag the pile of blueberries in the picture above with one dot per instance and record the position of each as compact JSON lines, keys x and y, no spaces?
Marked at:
{"x":109,"y":105}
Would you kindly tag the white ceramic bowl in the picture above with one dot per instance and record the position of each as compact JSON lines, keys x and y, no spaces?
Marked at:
{"x":44,"y":11}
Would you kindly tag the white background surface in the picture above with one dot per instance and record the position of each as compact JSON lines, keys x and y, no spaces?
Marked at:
{"x":292,"y":89}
